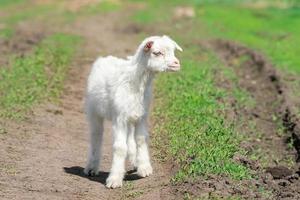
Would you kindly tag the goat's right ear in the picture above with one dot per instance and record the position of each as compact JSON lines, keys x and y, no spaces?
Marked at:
{"x":148,"y":46}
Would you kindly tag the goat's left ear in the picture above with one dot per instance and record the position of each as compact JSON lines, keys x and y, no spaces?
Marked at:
{"x":178,"y":47}
{"x":148,"y":46}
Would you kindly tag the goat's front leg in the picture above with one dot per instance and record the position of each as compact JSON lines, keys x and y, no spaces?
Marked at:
{"x":131,"y":145}
{"x":142,"y":159}
{"x":117,"y":171}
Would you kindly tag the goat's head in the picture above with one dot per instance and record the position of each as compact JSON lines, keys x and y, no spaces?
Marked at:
{"x":159,"y":54}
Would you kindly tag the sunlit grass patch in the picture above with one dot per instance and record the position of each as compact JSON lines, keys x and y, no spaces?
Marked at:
{"x":6,"y":3}
{"x":200,"y":139}
{"x":154,"y":11}
{"x":37,"y":76}
{"x":272,"y":30}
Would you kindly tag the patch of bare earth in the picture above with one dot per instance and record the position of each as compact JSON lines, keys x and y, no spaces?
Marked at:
{"x":279,"y":174}
{"x":26,"y":36}
{"x":44,"y":156}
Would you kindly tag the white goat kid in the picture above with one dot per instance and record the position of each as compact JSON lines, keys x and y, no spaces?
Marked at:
{"x":119,"y":90}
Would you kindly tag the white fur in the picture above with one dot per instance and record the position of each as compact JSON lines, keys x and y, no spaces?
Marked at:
{"x":120,"y":90}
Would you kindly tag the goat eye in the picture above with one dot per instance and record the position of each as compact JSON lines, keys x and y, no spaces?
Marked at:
{"x":157,"y":53}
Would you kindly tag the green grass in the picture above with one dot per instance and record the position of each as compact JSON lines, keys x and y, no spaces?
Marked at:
{"x":6,"y":3}
{"x":36,"y":77}
{"x":14,"y":16}
{"x":200,"y":140}
{"x":102,"y":7}
{"x":273,"y":31}
{"x":155,"y":11}
{"x":148,"y":17}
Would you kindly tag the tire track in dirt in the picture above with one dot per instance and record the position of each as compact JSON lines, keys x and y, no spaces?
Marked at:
{"x":263,"y":82}
{"x":43,"y":157}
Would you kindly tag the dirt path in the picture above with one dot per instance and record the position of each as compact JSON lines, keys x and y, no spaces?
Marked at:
{"x":43,"y":158}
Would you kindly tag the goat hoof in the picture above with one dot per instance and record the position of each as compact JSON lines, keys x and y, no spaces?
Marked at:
{"x":114,"y":182}
{"x":144,"y":171}
{"x":90,"y":172}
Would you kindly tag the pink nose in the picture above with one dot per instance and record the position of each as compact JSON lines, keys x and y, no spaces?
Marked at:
{"x":176,"y":63}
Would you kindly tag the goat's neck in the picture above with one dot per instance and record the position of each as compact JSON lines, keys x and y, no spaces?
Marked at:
{"x":141,"y":79}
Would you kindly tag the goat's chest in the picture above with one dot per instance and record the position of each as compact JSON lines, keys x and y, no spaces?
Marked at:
{"x":131,"y":105}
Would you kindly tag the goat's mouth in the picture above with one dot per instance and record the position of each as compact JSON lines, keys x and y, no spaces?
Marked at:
{"x":173,"y":68}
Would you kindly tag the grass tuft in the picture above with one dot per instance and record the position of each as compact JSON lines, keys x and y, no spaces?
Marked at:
{"x":35,"y":77}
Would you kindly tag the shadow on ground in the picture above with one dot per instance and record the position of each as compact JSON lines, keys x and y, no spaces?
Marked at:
{"x":101,"y":178}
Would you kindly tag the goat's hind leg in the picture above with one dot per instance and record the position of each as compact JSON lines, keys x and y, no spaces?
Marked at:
{"x":96,"y":136}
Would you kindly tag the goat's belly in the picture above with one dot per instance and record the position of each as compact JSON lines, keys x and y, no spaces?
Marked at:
{"x":134,"y":112}
{"x":99,"y":105}
{"x":105,"y":109}
{"x":127,"y":114}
